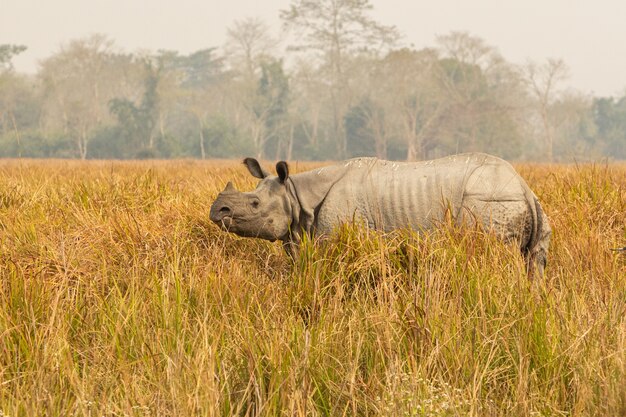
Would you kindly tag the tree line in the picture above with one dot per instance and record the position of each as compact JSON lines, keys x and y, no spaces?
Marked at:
{"x":341,"y":85}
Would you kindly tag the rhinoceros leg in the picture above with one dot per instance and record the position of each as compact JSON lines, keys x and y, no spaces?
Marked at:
{"x":510,"y":220}
{"x":537,"y":256}
{"x":291,"y":249}
{"x":513,"y":221}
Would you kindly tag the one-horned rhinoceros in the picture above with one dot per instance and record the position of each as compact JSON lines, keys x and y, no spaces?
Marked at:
{"x":385,"y":195}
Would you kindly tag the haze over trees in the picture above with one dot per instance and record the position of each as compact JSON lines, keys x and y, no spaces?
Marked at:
{"x":339,"y":85}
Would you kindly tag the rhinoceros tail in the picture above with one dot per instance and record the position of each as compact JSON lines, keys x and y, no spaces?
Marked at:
{"x":537,"y":223}
{"x":536,"y":249}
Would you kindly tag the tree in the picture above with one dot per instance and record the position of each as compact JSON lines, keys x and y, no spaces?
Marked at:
{"x":543,"y":81}
{"x":609,"y":115}
{"x":307,"y":98}
{"x":248,"y":41}
{"x":137,"y":122}
{"x":268,"y":107}
{"x":78,"y":83}
{"x":574,"y":128}
{"x":273,"y":100}
{"x":406,"y":81}
{"x":257,"y":77}
{"x":7,"y":52}
{"x":201,"y":73}
{"x":13,"y":92}
{"x":335,"y":29}
{"x":365,"y":126}
{"x":482,"y":93}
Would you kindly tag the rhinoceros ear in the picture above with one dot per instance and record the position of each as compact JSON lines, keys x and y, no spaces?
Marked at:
{"x":254,"y":168}
{"x":282,"y":169}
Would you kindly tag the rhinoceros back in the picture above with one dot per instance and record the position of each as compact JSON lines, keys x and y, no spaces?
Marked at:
{"x":389,"y":195}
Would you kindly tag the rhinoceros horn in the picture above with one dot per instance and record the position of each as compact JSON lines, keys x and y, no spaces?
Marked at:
{"x":230,"y":187}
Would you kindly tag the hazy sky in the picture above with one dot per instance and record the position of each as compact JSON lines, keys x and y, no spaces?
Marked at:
{"x":590,"y":36}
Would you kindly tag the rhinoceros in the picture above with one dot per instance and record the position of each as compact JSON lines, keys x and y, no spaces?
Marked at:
{"x":386,"y":195}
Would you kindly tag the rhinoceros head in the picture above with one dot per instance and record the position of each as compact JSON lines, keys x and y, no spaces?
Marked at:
{"x":264,"y":213}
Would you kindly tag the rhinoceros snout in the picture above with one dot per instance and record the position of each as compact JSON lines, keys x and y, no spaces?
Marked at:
{"x":219,"y":212}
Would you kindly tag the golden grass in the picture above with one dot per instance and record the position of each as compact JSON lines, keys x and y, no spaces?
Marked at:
{"x":119,"y":298}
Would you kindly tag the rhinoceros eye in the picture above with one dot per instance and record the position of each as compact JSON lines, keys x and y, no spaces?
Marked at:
{"x":255,"y":203}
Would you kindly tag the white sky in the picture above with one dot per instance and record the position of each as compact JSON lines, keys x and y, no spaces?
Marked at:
{"x":589,"y":36}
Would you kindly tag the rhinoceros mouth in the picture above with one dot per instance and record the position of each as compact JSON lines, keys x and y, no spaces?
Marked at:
{"x":225,"y":222}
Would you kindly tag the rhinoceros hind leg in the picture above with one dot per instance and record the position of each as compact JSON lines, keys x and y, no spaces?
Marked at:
{"x":537,"y":257}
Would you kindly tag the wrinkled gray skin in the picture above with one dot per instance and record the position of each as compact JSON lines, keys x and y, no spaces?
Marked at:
{"x":386,"y":195}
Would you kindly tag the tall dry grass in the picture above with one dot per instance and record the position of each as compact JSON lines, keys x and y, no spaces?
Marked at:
{"x":118,"y":297}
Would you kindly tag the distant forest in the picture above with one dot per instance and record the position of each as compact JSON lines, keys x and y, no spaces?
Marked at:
{"x":337,"y":85}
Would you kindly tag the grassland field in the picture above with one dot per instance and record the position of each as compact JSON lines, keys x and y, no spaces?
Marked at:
{"x":118,"y":297}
